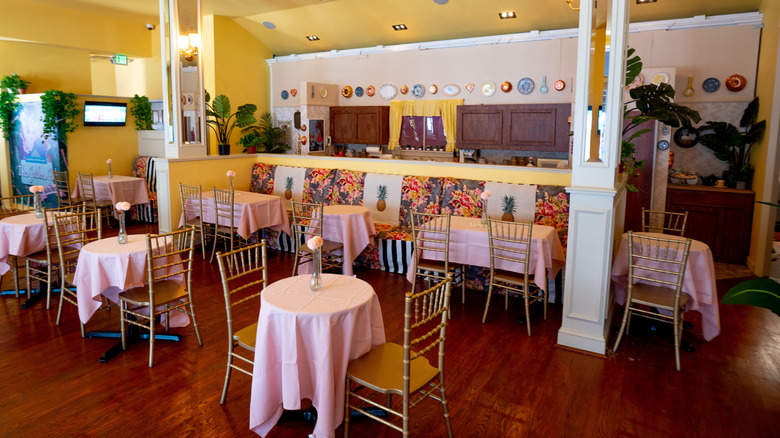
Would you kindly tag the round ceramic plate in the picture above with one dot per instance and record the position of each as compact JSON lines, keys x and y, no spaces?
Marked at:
{"x":525,"y":86}
{"x":404,"y":89}
{"x":323,"y":92}
{"x":660,"y":77}
{"x":559,"y":85}
{"x":470,"y":87}
{"x":488,"y":88}
{"x":293,"y":92}
{"x":686,"y":137}
{"x":736,"y":82}
{"x":638,"y":81}
{"x":663,"y":145}
{"x":370,"y":91}
{"x":285,"y":94}
{"x":433,"y":89}
{"x":451,"y":90}
{"x":388,"y":91}
{"x":418,"y":90}
{"x":303,"y":140}
{"x":506,"y":86}
{"x":710,"y":85}
{"x":359,"y":91}
{"x":346,"y":91}
{"x":303,"y":127}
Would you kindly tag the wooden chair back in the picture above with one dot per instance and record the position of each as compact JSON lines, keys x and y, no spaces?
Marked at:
{"x":665,"y":222}
{"x":431,"y":232}
{"x":12,"y":205}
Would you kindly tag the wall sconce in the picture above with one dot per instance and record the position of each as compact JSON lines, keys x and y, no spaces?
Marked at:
{"x":192,"y":41}
{"x":569,"y":2}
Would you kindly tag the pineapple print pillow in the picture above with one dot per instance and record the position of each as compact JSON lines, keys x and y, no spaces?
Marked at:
{"x":382,"y":196}
{"x":288,"y":184}
{"x":511,"y":202}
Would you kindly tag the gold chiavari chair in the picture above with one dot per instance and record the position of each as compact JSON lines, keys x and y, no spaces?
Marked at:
{"x":87,"y":184}
{"x":192,"y":204}
{"x":225,"y":220}
{"x":244,"y":277}
{"x":73,"y":231}
{"x":510,"y":242}
{"x":44,"y":265}
{"x":431,"y":234}
{"x":169,"y":257}
{"x":664,"y":222}
{"x":307,"y":222}
{"x":62,"y":188}
{"x":660,"y":266}
{"x":404,"y":370}
{"x":13,"y":205}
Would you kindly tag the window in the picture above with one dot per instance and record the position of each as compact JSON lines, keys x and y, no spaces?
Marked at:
{"x":423,"y":133}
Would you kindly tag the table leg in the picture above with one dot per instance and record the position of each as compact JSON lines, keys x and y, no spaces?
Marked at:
{"x":133,"y":334}
{"x":309,"y":414}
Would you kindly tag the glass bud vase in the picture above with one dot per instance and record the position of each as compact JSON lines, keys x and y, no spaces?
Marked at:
{"x":122,"y":237}
{"x":316,"y":274}
{"x":37,"y":205}
{"x":110,"y":175}
{"x":484,"y":219}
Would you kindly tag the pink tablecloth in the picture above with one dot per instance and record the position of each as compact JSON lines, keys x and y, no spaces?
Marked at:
{"x":351,"y":225}
{"x":305,"y":341}
{"x":107,"y":268}
{"x":698,"y":283}
{"x":119,"y":188}
{"x":20,"y":235}
{"x":470,"y":245}
{"x":252,"y":211}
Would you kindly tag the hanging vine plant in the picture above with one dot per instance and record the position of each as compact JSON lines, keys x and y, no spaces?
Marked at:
{"x":141,"y":109}
{"x":59,"y":115}
{"x":8,"y":105}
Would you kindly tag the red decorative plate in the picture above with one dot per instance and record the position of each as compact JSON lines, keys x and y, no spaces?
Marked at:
{"x":736,"y":82}
{"x":506,"y":87}
{"x":559,"y":85}
{"x":370,"y":91}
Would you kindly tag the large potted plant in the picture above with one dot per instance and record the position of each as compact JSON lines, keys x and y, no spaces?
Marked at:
{"x":733,"y":145}
{"x":265,"y":136}
{"x":14,"y":84}
{"x":8,"y":105}
{"x":141,"y":110}
{"x":59,"y":114}
{"x":222,"y":121}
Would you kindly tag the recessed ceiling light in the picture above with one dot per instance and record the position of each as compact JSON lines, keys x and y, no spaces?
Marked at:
{"x":507,"y":14}
{"x":640,"y":2}
{"x":441,"y":2}
{"x":400,"y":27}
{"x":312,"y":38}
{"x":269,"y":25}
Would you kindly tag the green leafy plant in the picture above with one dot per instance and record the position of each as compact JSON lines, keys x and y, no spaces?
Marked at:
{"x":9,"y":102}
{"x":14,"y":83}
{"x":141,"y":110}
{"x":648,"y":102}
{"x":222,"y":120}
{"x":733,"y":145}
{"x":265,"y":136}
{"x":59,"y":114}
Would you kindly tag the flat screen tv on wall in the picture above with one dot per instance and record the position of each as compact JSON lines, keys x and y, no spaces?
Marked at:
{"x":105,"y":113}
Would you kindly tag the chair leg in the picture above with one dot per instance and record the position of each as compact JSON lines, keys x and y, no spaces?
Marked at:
{"x":122,"y":324}
{"x":295,"y":263}
{"x":444,"y":408}
{"x":59,"y":311}
{"x":527,"y":312}
{"x":346,"y":408}
{"x":677,"y":336}
{"x":214,"y":247}
{"x":195,"y":323}
{"x":487,"y":303}
{"x":203,"y":246}
{"x":544,"y":297}
{"x":15,"y":269}
{"x":626,"y":313}
{"x":151,"y":337}
{"x":227,"y":374}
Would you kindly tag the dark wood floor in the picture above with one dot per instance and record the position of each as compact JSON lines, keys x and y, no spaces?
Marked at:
{"x":501,"y":383}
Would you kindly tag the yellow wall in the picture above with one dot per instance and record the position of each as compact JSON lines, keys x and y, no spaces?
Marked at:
{"x":47,"y":67}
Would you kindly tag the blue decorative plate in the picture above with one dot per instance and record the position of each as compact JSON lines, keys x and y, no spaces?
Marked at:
{"x":358,"y":91}
{"x":710,"y":85}
{"x":285,"y":94}
{"x":418,"y":90}
{"x":525,"y":86}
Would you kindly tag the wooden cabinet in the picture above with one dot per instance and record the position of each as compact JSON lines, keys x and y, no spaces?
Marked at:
{"x":360,"y":124}
{"x":720,"y":217}
{"x":537,"y":127}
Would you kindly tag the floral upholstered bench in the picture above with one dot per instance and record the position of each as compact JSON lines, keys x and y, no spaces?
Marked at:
{"x":143,"y":167}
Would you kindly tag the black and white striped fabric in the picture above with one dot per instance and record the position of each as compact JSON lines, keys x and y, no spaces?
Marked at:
{"x":148,"y":212}
{"x":395,"y":255}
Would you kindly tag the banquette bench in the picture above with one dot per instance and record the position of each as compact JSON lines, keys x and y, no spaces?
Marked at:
{"x":143,"y":167}
{"x":391,"y":198}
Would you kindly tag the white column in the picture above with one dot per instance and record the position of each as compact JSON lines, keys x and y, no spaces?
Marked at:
{"x":597,"y":203}
{"x":165,"y":222}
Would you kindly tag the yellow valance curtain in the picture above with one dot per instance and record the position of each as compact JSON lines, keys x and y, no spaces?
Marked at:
{"x":446,"y":108}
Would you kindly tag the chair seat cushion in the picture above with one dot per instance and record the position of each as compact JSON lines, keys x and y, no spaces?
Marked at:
{"x":382,"y":368}
{"x":165,"y":292}
{"x":392,"y":232}
{"x":434,"y":265}
{"x":656,"y":296}
{"x":512,"y":277}
{"x":246,"y":337}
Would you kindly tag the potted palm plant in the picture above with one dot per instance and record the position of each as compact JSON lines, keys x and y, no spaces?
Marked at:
{"x":222,"y":120}
{"x":733,"y":145}
{"x":14,"y":84}
{"x":266,"y":137}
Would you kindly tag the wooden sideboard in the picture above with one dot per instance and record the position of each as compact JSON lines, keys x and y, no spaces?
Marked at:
{"x":720,"y":217}
{"x":530,"y":127}
{"x":360,"y":124}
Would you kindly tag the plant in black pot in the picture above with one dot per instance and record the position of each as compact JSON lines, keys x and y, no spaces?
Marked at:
{"x":141,"y":109}
{"x":733,"y":145}
{"x":266,"y":137}
{"x":222,"y":121}
{"x":14,"y":84}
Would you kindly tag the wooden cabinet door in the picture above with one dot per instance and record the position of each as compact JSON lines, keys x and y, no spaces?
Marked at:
{"x":537,"y":127}
{"x":480,"y":127}
{"x":343,"y":124}
{"x":372,"y":124}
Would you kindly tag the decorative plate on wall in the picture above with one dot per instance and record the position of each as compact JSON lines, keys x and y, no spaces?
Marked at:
{"x":323,"y":92}
{"x":663,"y":145}
{"x":736,"y":82}
{"x":433,"y":89}
{"x":660,"y":77}
{"x":525,"y":86}
{"x":506,"y":86}
{"x":686,"y":137}
{"x":359,"y":91}
{"x":451,"y":90}
{"x":303,"y":140}
{"x":559,"y":85}
{"x":388,"y":91}
{"x":303,"y":127}
{"x":370,"y":91}
{"x":293,"y":92}
{"x":346,"y":91}
{"x":488,"y":88}
{"x":404,"y":89}
{"x":710,"y":85}
{"x":285,"y":95}
{"x":469,"y":87}
{"x":418,"y":90}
